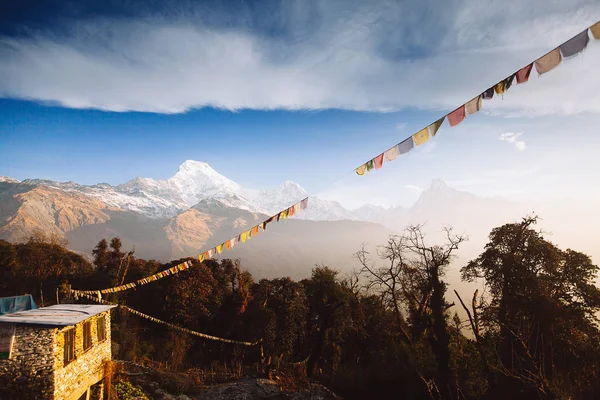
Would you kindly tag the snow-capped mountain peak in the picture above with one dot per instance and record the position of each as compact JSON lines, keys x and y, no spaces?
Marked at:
{"x":197,"y":182}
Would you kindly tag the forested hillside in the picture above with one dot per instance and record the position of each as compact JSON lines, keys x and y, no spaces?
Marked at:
{"x":386,"y":331}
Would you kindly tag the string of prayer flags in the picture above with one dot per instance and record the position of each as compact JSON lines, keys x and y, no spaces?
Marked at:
{"x":544,"y":64}
{"x":457,"y":116}
{"x":152,"y":278}
{"x":474,"y":105}
{"x":596,"y":30}
{"x":548,"y":62}
{"x":575,"y":45}
{"x":208,"y":254}
{"x":523,"y":74}
{"x":421,"y":137}
{"x":170,"y":325}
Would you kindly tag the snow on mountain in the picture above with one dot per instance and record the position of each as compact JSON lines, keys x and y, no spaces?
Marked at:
{"x":197,"y":181}
{"x":9,"y":180}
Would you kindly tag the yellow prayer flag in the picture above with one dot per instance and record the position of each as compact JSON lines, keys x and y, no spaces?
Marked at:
{"x":421,"y":137}
{"x":361,"y":170}
{"x":244,"y":236}
{"x":595,"y":30}
{"x":219,"y":249}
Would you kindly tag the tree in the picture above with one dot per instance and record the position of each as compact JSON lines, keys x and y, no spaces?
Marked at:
{"x":540,"y":312}
{"x":100,"y":254}
{"x":413,"y":276}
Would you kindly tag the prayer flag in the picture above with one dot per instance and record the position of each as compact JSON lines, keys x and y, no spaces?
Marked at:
{"x":228,"y":244}
{"x":433,"y":128}
{"x":378,"y":161}
{"x":406,"y":145}
{"x":304,"y":203}
{"x":297,"y":208}
{"x":456,"y":116}
{"x":575,"y":45}
{"x":255,"y":231}
{"x":361,"y":170}
{"x":504,"y":85}
{"x":488,"y":94}
{"x":421,"y":137}
{"x":474,"y":105}
{"x":233,"y":242}
{"x":369,"y":165}
{"x":243,"y":237}
{"x":596,"y":30}
{"x":523,"y":74}
{"x":291,"y":211}
{"x":392,"y":153}
{"x":548,"y":62}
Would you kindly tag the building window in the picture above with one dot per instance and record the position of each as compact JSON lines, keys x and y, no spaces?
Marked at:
{"x":87,"y":335}
{"x":69,"y":345}
{"x":101,"y":328}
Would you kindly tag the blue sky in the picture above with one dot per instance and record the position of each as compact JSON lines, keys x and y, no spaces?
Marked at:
{"x":299,"y":90}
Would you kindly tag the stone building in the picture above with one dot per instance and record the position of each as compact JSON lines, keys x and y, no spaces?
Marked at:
{"x":59,"y":352}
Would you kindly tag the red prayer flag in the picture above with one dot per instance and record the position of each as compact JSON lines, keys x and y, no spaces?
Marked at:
{"x":457,"y":116}
{"x":378,"y":161}
{"x":523,"y":74}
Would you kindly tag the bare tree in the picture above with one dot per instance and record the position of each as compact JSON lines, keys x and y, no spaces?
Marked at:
{"x":411,"y":280}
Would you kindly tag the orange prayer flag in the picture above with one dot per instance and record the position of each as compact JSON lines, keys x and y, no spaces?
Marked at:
{"x":523,"y":74}
{"x":378,"y":161}
{"x":457,"y":116}
{"x":255,"y":231}
{"x":291,"y":211}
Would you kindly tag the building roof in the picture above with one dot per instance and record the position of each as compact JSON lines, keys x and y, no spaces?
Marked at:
{"x":58,"y":315}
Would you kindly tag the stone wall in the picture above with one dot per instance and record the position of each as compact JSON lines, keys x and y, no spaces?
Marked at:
{"x":73,"y":379}
{"x":29,"y":372}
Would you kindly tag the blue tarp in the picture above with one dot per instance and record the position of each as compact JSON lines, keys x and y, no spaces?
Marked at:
{"x":13,"y":304}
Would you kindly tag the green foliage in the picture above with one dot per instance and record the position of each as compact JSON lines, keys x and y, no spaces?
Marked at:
{"x":126,"y":391}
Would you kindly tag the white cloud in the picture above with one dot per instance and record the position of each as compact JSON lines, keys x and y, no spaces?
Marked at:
{"x":401,"y":125}
{"x":512,"y":138}
{"x":373,"y":56}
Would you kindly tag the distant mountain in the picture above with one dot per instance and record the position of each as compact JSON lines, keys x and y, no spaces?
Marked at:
{"x":198,"y":208}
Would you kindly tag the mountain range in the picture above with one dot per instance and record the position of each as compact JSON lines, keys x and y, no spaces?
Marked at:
{"x":198,"y":208}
